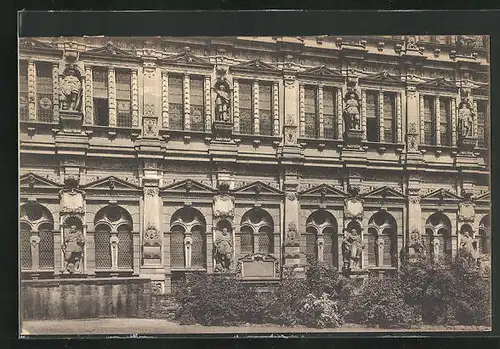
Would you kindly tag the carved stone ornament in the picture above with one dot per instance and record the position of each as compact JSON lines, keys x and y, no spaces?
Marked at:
{"x":291,"y":136}
{"x":222,"y":100}
{"x":415,"y":243}
{"x":414,"y":199}
{"x":223,"y":206}
{"x":353,"y":208}
{"x":412,"y":136}
{"x":151,"y":191}
{"x":352,"y":111}
{"x":151,"y":234}
{"x":70,"y":98}
{"x":352,"y":248}
{"x":157,"y":288}
{"x":292,"y":234}
{"x":465,"y":119}
{"x":223,"y":250}
{"x":290,"y":120}
{"x":72,"y":248}
{"x":34,"y":240}
{"x":72,"y":201}
{"x":466,"y":211}
{"x":291,"y":196}
{"x":150,"y":129}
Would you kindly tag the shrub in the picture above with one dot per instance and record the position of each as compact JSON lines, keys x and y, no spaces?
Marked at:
{"x":322,"y":278}
{"x":319,"y":312}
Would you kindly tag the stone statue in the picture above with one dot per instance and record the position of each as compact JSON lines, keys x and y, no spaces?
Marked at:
{"x":71,"y":90}
{"x":466,"y":120}
{"x":468,"y":248}
{"x":223,"y":250}
{"x":351,"y":111}
{"x":222,"y":102}
{"x":73,"y":249}
{"x":351,"y":249}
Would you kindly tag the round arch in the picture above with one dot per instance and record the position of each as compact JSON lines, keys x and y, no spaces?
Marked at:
{"x":322,"y":238}
{"x":258,"y":224}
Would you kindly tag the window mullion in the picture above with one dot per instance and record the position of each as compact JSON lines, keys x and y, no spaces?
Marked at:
{"x":112,"y":96}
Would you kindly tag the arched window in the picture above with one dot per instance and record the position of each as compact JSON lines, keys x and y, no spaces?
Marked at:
{"x":321,"y":226}
{"x":372,"y":250}
{"x":382,"y":230}
{"x":257,"y":222}
{"x":484,"y":235}
{"x":36,"y":222}
{"x":439,"y":228}
{"x":113,"y":222}
{"x":187,"y":224}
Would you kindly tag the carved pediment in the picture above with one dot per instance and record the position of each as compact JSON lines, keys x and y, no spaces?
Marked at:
{"x":32,"y":44}
{"x":384,"y":193}
{"x":258,"y":188}
{"x":186,"y":186}
{"x":31,"y":180}
{"x":438,"y":83}
{"x":323,"y":190}
{"x":442,"y":194}
{"x":383,"y":77}
{"x":110,"y":50}
{"x":110,"y":183}
{"x":184,"y":58}
{"x":322,"y":70}
{"x":486,"y":197}
{"x":255,"y":64}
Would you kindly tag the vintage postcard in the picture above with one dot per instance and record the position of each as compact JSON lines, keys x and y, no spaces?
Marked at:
{"x":179,"y":185}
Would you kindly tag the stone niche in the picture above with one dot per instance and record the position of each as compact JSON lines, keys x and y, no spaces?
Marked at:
{"x":258,"y":266}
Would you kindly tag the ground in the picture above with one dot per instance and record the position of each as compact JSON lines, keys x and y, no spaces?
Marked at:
{"x":159,"y":326}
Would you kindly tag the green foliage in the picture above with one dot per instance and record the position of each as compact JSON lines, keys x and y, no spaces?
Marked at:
{"x":319,"y":312}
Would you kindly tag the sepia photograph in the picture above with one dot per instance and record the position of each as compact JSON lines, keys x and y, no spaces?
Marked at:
{"x":254,"y":184}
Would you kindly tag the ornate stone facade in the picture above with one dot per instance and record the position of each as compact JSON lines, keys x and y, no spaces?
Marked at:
{"x":247,"y":162}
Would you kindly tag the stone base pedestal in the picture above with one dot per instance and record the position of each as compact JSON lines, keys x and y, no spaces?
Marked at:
{"x":71,"y":121}
{"x":222,"y":130}
{"x":467,"y":143}
{"x":353,"y":136}
{"x":466,"y":159}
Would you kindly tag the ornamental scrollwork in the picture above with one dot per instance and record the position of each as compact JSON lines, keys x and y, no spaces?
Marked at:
{"x":151,"y":191}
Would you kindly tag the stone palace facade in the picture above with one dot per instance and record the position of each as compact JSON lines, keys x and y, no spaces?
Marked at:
{"x":152,"y":157}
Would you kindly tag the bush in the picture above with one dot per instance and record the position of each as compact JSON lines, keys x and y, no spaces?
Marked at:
{"x":380,"y":303}
{"x":319,"y":312}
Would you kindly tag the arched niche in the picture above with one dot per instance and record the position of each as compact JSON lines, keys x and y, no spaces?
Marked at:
{"x":187,"y":239}
{"x":257,"y":224}
{"x":438,"y":228}
{"x":382,"y":240}
{"x":321,"y":238}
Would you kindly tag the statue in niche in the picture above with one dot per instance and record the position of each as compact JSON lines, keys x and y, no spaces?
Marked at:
{"x":351,"y":111}
{"x":465,"y":119}
{"x":222,"y":101}
{"x":351,"y":249}
{"x":73,"y":249}
{"x":416,"y":244}
{"x":468,"y":247}
{"x":223,"y":250}
{"x":71,"y":90}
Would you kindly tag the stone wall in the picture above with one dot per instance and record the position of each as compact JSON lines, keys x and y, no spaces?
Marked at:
{"x":85,"y":298}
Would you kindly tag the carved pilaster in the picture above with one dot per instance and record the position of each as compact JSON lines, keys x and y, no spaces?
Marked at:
{"x":380,"y":247}
{"x":31,"y":91}
{"x":399,"y":119}
{"x":437,"y":111}
{"x":380,"y":118}
{"x":256,"y":124}
{"x":421,"y":115}
{"x":135,"y":100}
{"x":453,"y":122}
{"x":236,"y":106}
{"x":302,"y":111}
{"x":55,"y":91}
{"x":276,"y":115}
{"x":474,"y":113}
{"x":186,"y":101}
{"x":363,"y":113}
{"x":89,"y":100}
{"x":208,"y":103}
{"x":320,"y":112}
{"x":164,"y":99}
{"x":340,"y":123}
{"x":112,"y":96}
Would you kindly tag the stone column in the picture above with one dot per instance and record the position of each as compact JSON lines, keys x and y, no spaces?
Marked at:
{"x":89,"y":98}
{"x":207,"y":85}
{"x":55,"y":91}
{"x":380,"y":116}
{"x":114,"y":245}
{"x":321,"y":244}
{"x":453,"y":122}
{"x":363,"y":113}
{"x":58,"y":260}
{"x":399,"y":119}
{"x":112,"y":97}
{"x":302,"y":111}
{"x":437,"y":112}
{"x":186,"y":102}
{"x":135,"y":100}
{"x":31,"y":91}
{"x":164,"y":100}
{"x":236,"y":106}
{"x":256,"y":121}
{"x":320,"y":112}
{"x":276,"y":110}
{"x":35,"y":248}
{"x":340,"y":119}
{"x":421,"y":117}
{"x":474,"y":127}
{"x":255,"y":241}
{"x":90,"y":253}
{"x":380,"y":250}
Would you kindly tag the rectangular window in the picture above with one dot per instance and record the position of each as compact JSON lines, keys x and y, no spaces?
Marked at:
{"x":311,"y":112}
{"x":23,"y":91}
{"x":100,"y":96}
{"x":44,"y":91}
{"x":329,"y":117}
{"x":429,"y":121}
{"x":197,"y":104}
{"x":175,"y":103}
{"x":482,"y":124}
{"x":265,"y":110}
{"x":445,"y":121}
{"x":245,"y":108}
{"x":123,"y":98}
{"x":389,"y":117}
{"x":371,"y":116}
